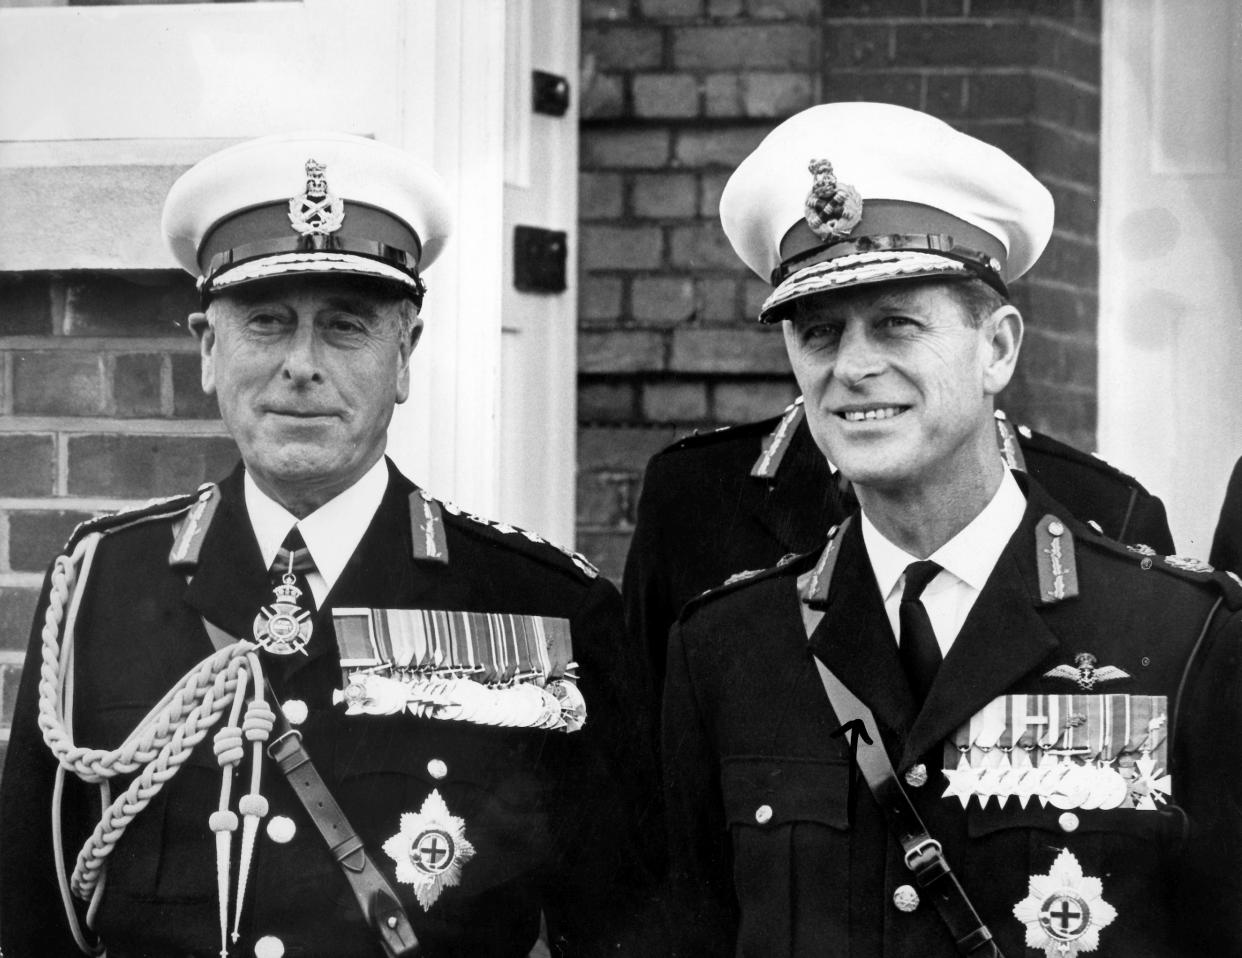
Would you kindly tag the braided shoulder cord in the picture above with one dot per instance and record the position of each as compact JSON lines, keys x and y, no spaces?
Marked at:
{"x":158,"y":746}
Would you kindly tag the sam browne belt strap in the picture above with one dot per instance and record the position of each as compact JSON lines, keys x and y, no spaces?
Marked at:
{"x":375,"y":896}
{"x":923,"y":854}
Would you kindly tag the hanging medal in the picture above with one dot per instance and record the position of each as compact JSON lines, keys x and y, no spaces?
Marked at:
{"x":992,"y":762}
{"x":284,"y":627}
{"x":1111,"y":785}
{"x":963,"y":778}
{"x":1026,"y":774}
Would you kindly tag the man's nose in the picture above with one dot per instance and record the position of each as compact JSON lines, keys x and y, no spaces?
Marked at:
{"x":858,"y":356}
{"x":304,"y":355}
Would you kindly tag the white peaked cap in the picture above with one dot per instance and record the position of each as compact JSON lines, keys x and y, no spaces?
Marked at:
{"x":250,"y":212}
{"x":916,"y":176}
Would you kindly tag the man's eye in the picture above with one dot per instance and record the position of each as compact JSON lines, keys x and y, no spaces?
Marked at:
{"x":821,"y":335}
{"x":898,"y":323}
{"x":344,"y":326}
{"x":266,"y":322}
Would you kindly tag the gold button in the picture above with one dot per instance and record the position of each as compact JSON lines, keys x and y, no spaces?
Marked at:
{"x":905,"y":898}
{"x":763,"y":814}
{"x":269,"y":946}
{"x":281,"y":829}
{"x":436,"y":768}
{"x":916,"y":775}
{"x":295,"y":711}
{"x":1068,"y":821}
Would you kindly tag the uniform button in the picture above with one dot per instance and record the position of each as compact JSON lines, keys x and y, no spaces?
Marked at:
{"x":916,"y":775}
{"x":1055,"y":528}
{"x":269,"y":946}
{"x":436,"y":768}
{"x":295,"y":711}
{"x":281,"y":829}
{"x":905,"y":898}
{"x":763,"y":814}
{"x":1068,"y":821}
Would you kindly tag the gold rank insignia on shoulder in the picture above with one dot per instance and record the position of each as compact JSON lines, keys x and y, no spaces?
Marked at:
{"x":427,"y":529}
{"x":1188,"y":564}
{"x":778,"y":441}
{"x":1068,"y":751}
{"x":1058,"y":568}
{"x":316,"y":212}
{"x":485,"y":668}
{"x":430,"y":849}
{"x":1086,"y":673}
{"x":1064,"y":910}
{"x":1007,"y":441}
{"x":583,"y":564}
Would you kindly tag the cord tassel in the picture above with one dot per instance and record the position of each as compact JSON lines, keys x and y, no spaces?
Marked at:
{"x":229,"y":752}
{"x":260,"y":720}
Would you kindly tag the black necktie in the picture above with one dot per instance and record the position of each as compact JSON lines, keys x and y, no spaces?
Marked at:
{"x":919,"y":650}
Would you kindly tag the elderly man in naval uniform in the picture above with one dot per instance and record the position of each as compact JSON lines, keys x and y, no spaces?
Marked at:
{"x":969,"y":724}
{"x":314,"y":710}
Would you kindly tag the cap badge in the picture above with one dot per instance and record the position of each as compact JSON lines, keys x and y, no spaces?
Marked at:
{"x":832,"y":208}
{"x":316,"y":212}
{"x":1086,"y":673}
{"x":430,"y":849}
{"x":1063,"y":910}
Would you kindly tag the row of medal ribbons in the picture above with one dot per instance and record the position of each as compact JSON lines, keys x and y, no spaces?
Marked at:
{"x":481,"y":667}
{"x":1068,"y":751}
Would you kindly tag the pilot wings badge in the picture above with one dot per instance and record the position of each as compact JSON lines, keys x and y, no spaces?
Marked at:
{"x":1086,"y":673}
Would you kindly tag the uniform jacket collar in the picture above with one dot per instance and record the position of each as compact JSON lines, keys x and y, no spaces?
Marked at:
{"x":1004,"y":638}
{"x":230,"y":584}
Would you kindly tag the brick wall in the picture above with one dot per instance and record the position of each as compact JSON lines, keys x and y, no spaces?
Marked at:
{"x":100,"y":408}
{"x":676,"y":92}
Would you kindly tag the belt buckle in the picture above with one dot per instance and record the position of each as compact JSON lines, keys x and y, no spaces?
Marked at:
{"x":924,"y":846}
{"x":274,"y":745}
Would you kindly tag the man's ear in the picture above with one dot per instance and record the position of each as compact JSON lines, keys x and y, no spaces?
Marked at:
{"x":205,"y":333}
{"x":406,"y":350}
{"x":1002,"y":340}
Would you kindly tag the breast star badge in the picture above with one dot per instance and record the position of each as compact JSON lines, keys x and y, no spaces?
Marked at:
{"x":430,"y":849}
{"x":1064,"y":911}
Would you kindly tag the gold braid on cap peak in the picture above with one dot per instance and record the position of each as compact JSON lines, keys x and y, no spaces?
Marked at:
{"x":832,"y":208}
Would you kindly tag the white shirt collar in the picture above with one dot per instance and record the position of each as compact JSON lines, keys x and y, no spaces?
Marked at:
{"x":970,"y":556}
{"x":332,"y":532}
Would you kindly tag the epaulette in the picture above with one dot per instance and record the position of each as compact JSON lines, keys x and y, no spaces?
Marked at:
{"x":698,"y":439}
{"x":580,"y":562}
{"x":1056,"y":560}
{"x":778,"y":443}
{"x":1062,"y":450}
{"x":149,"y":511}
{"x":1007,"y":439}
{"x":1187,"y":568}
{"x":796,"y":560}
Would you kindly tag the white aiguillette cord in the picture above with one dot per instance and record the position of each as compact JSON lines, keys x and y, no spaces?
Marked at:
{"x":375,"y":896}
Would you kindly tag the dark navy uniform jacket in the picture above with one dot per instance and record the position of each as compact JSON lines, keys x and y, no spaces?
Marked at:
{"x":552,"y":816}
{"x":1227,"y":540}
{"x":702,"y":517}
{"x":747,"y":725}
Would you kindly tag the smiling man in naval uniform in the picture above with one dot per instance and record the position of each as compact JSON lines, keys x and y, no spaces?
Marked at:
{"x":970,"y":724}
{"x":313,"y":710}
